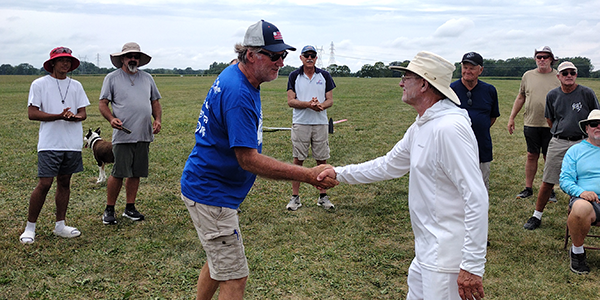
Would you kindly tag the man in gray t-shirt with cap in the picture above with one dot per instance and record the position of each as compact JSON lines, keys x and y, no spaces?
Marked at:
{"x":134,"y":99}
{"x":565,"y":107}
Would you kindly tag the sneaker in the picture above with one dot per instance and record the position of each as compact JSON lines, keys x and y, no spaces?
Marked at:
{"x":294,"y":203}
{"x":109,"y":217}
{"x":553,"y":197}
{"x":579,"y":263}
{"x":133,"y":214}
{"x":527,"y":192}
{"x":325,"y":203}
{"x":532,"y":223}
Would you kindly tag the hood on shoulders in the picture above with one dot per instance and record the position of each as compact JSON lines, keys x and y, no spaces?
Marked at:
{"x":442,"y":108}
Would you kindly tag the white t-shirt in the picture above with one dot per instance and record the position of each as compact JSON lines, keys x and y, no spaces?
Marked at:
{"x":59,"y":135}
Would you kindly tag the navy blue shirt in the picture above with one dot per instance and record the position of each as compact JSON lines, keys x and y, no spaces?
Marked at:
{"x":484,"y":107}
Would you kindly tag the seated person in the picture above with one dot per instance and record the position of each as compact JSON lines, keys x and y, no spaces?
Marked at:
{"x":580,"y":178}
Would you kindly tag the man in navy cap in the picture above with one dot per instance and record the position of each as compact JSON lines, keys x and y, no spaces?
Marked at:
{"x":226,"y":158}
{"x":480,"y":99}
{"x":310,"y":94}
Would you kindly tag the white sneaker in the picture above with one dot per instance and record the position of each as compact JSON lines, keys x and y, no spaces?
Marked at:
{"x":325,"y":203}
{"x":294,"y":203}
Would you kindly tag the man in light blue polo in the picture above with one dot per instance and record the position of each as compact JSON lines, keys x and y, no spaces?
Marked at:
{"x":310,"y":94}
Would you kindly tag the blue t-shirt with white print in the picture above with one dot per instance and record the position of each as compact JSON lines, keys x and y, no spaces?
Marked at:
{"x":231,"y":116}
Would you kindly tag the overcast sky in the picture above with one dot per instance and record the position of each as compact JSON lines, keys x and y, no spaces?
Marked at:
{"x":196,"y":33}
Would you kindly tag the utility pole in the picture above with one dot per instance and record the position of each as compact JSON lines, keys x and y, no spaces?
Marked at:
{"x":331,"y":55}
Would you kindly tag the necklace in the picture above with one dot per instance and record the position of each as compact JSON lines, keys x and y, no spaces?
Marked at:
{"x":133,"y":80}
{"x":62,"y":99}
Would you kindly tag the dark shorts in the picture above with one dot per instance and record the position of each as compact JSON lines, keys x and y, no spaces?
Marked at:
{"x":131,"y":160}
{"x":54,"y":163}
{"x":537,"y":139}
{"x":595,"y":205}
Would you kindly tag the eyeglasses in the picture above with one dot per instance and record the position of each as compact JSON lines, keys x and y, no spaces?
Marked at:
{"x":594,"y":124}
{"x":404,"y":78}
{"x":540,"y":57}
{"x":309,"y":55}
{"x":130,"y":55}
{"x":566,"y":73}
{"x":62,"y":50}
{"x":274,"y":56}
{"x":469,"y":101}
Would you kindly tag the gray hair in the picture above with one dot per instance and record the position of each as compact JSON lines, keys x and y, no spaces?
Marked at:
{"x":242,"y":50}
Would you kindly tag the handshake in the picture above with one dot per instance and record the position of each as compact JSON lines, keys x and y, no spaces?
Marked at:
{"x":322,"y":176}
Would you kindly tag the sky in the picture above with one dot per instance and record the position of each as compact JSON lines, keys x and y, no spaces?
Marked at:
{"x":196,"y":33}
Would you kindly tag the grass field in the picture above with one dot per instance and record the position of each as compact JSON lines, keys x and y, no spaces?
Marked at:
{"x":362,"y":250}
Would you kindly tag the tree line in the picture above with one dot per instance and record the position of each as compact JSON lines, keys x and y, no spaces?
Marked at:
{"x":512,"y":67}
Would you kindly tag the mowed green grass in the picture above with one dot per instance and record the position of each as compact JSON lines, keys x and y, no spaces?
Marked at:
{"x":362,"y":250}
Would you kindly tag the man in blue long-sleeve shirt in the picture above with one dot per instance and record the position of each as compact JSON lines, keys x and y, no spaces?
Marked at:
{"x":580,"y":178}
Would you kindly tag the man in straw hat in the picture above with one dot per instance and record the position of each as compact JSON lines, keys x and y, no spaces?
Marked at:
{"x":134,"y":98}
{"x":226,"y":158}
{"x":58,"y":102}
{"x":580,"y":178}
{"x":447,"y":197}
{"x":565,"y":107}
{"x":535,"y":84}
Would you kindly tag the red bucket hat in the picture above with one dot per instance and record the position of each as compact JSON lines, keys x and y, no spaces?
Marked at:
{"x":61,"y":52}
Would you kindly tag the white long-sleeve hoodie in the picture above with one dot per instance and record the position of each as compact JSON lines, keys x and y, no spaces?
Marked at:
{"x":447,"y":198}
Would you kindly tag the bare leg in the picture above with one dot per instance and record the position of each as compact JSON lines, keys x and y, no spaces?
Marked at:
{"x":113,"y":187}
{"x":296,"y":184}
{"x":131,"y":188}
{"x":543,"y":196}
{"x":63,"y":192}
{"x":38,"y":197}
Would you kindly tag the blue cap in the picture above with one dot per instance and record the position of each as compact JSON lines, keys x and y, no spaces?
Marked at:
{"x":308,"y":48}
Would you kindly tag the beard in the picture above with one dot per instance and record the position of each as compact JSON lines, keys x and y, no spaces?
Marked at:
{"x":132,"y":66}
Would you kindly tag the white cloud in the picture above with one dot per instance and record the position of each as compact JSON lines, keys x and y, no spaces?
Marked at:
{"x":454,"y":28}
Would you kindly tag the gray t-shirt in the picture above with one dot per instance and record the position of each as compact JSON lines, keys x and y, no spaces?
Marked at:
{"x":130,"y":97}
{"x":566,"y":110}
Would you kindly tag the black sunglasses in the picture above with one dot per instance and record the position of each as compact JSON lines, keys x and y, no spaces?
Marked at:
{"x":594,"y":124}
{"x":309,"y":55}
{"x":566,"y":73}
{"x":469,"y":101}
{"x":274,"y":56}
{"x":130,"y":55}
{"x":540,"y":57}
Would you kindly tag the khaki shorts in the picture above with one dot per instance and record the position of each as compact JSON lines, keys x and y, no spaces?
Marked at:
{"x":556,"y":151}
{"x":219,"y":232}
{"x":314,"y":136}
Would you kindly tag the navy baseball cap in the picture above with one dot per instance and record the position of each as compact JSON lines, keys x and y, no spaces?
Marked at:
{"x":473,"y":58}
{"x":308,"y":48}
{"x":267,"y":36}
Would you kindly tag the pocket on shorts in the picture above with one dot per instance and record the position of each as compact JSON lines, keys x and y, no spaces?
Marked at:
{"x":230,"y":253}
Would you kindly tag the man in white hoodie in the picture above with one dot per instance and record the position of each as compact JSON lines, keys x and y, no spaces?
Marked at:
{"x":447,"y":197}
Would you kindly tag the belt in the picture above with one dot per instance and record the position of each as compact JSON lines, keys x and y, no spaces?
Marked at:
{"x":569,"y":138}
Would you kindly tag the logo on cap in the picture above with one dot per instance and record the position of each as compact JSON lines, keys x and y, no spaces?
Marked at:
{"x":277,"y":35}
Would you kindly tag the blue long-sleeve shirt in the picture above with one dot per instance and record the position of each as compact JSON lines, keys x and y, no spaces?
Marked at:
{"x":580,"y":170}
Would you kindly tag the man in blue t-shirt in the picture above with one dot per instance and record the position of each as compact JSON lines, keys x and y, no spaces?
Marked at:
{"x":480,"y":99}
{"x":226,"y":158}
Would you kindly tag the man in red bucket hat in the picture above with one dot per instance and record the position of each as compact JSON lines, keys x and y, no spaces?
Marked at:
{"x":58,"y":102}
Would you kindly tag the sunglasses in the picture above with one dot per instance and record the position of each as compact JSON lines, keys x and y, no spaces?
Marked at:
{"x":310,"y":55}
{"x":469,"y":101}
{"x":566,"y":73}
{"x":62,"y":50}
{"x":274,"y":56}
{"x":594,"y":124}
{"x":130,"y":56}
{"x":540,"y":57}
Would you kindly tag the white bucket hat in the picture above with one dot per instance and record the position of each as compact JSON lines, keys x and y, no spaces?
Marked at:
{"x":435,"y":69}
{"x":593,"y":116}
{"x":130,"y":47}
